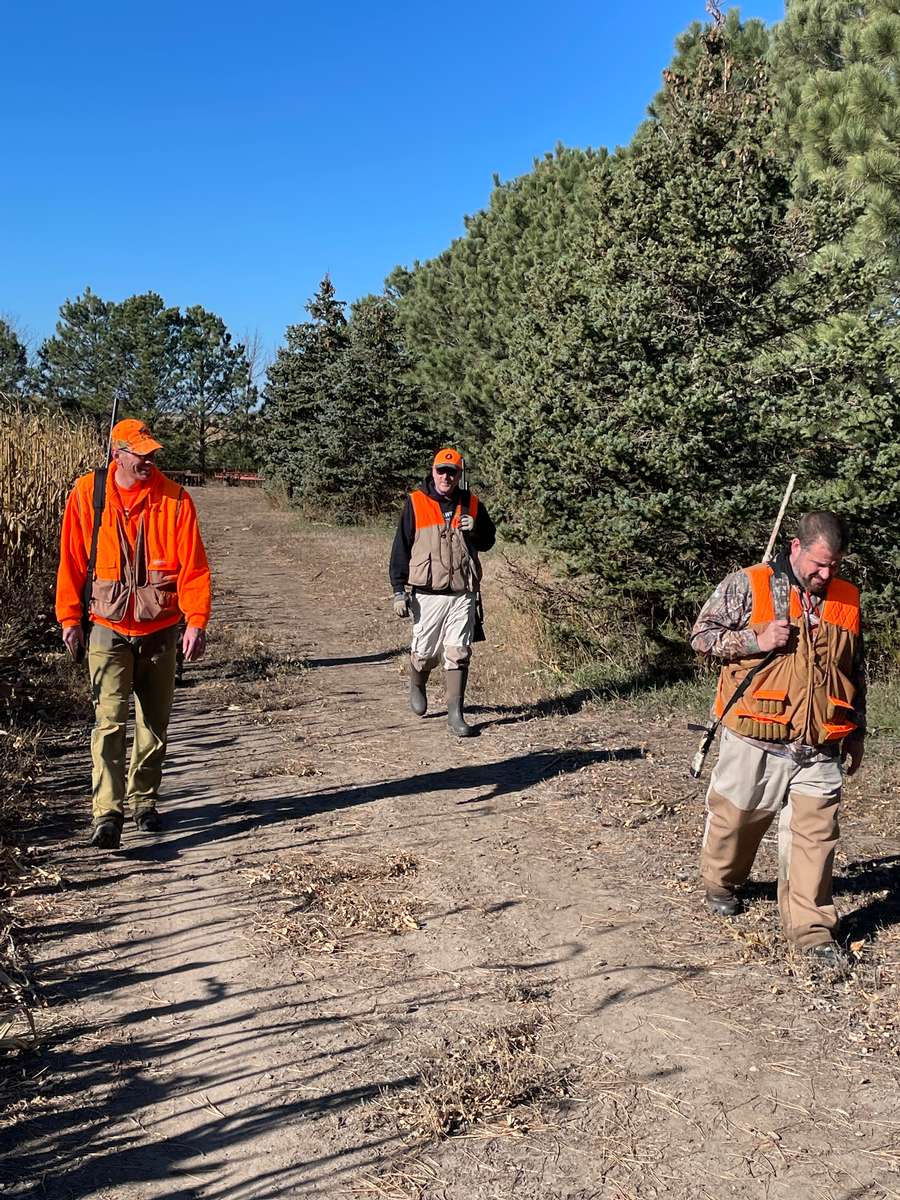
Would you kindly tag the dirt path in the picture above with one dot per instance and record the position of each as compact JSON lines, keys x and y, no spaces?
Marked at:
{"x":198,"y":1055}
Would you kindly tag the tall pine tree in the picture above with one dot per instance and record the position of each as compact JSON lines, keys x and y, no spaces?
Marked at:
{"x":13,"y":363}
{"x":837,"y":66}
{"x":668,"y":376}
{"x":300,"y":387}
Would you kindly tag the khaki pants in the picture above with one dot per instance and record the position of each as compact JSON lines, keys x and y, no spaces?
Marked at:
{"x":119,"y":666}
{"x":445,"y":622}
{"x":748,"y":787}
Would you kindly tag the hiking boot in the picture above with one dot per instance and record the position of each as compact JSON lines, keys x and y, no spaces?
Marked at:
{"x":107,"y":835}
{"x":723,"y":906}
{"x":148,"y":821}
{"x":418,"y":698}
{"x":455,"y":683}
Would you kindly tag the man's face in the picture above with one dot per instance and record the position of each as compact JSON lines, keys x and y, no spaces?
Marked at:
{"x":445,"y":479}
{"x":816,"y":566}
{"x":140,"y":466}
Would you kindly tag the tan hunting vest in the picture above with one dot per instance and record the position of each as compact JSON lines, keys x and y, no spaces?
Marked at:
{"x":806,"y":693}
{"x":440,"y":559}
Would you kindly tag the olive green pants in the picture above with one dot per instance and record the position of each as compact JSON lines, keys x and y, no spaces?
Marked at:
{"x":120,"y":666}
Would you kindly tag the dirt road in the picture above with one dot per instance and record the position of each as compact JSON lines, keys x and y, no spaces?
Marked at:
{"x":227,"y":1025}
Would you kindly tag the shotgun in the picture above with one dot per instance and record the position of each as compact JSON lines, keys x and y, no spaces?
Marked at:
{"x":478,"y":634}
{"x":99,"y":502}
{"x":710,"y":731}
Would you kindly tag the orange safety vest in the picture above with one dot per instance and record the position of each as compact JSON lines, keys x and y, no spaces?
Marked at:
{"x":440,"y":559}
{"x":143,"y":582}
{"x":806,"y":693}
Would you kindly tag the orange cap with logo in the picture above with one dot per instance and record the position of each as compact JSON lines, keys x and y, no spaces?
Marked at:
{"x":133,"y":435}
{"x":448,"y":458}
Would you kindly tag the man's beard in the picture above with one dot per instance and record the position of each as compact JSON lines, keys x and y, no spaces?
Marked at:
{"x":813,"y":585}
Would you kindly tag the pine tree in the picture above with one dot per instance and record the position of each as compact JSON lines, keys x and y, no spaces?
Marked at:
{"x":212,"y":380}
{"x":745,"y":43}
{"x":458,"y":310}
{"x":79,"y":368}
{"x":666,"y":378}
{"x":837,"y":64}
{"x":383,"y":429}
{"x":300,"y":388}
{"x":146,"y":337}
{"x":13,"y":363}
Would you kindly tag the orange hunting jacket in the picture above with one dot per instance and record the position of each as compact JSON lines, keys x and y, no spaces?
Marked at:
{"x":151,"y":564}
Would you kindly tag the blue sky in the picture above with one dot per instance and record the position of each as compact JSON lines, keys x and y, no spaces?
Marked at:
{"x":230,"y":154}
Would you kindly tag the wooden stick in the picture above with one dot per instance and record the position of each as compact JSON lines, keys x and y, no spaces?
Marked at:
{"x":779,"y":518}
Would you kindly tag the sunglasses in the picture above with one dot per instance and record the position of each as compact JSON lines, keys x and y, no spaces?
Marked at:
{"x":447,"y":470}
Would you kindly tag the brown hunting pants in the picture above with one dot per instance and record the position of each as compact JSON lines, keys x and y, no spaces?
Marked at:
{"x":748,"y":787}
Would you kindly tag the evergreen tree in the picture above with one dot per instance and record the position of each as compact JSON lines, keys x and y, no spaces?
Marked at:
{"x":458,"y":310}
{"x":212,"y":383}
{"x":837,"y":64}
{"x":79,"y":368}
{"x":13,"y":363}
{"x":666,"y":378}
{"x":382,"y":426}
{"x":746,"y":44}
{"x":299,"y":394}
{"x":146,"y":339}
{"x":341,"y":407}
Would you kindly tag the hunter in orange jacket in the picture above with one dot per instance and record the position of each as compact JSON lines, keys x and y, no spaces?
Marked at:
{"x":150,"y":571}
{"x":151,"y":565}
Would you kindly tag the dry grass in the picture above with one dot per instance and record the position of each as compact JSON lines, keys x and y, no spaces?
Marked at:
{"x":296,"y":767}
{"x":493,"y":1081}
{"x":322,"y":903}
{"x":495,"y":1078}
{"x":34,"y":482}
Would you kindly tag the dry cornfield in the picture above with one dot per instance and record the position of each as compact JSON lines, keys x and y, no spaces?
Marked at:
{"x":37,"y":468}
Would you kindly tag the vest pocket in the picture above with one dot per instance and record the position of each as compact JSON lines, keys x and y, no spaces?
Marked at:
{"x":771,"y":701}
{"x":839,"y":710}
{"x":420,"y":572}
{"x":768,"y":727}
{"x":151,"y":603}
{"x":840,"y":719}
{"x":837,"y":733}
{"x":109,"y":599}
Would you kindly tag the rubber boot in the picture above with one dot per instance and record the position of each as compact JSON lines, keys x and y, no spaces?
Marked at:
{"x":418,"y":698}
{"x":455,"y":683}
{"x":724,"y":905}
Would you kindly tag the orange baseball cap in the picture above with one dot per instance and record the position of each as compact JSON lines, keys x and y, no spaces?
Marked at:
{"x":134,"y":435}
{"x":448,"y":458}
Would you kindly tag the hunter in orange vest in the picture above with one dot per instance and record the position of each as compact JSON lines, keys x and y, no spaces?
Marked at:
{"x":436,"y":575}
{"x":794,"y":628}
{"x":150,"y":573}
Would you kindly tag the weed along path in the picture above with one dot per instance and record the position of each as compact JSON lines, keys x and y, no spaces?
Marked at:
{"x":366,"y":959}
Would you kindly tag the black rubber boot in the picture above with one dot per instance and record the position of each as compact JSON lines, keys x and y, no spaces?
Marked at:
{"x":418,"y":698}
{"x":455,"y":683}
{"x":724,"y":906}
